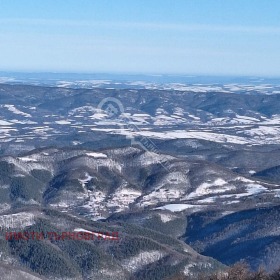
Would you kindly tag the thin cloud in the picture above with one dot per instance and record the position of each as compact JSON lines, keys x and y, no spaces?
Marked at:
{"x":146,"y":26}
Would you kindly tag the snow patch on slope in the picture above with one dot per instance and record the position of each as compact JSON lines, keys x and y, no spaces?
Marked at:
{"x":143,"y":258}
{"x":19,"y":220}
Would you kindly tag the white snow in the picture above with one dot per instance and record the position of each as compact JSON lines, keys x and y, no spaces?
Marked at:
{"x":122,"y":197}
{"x":19,"y":220}
{"x":97,"y":234}
{"x":96,"y":155}
{"x":177,"y":207}
{"x":85,"y":180}
{"x":255,"y":189}
{"x":27,"y":159}
{"x":14,"y":110}
{"x":218,"y":186}
{"x":165,"y":218}
{"x":143,"y":258}
{"x":207,"y":200}
{"x":63,"y":122}
{"x":5,"y":123}
{"x":185,"y":134}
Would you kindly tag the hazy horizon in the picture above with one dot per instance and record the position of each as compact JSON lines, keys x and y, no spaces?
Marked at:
{"x":217,"y":38}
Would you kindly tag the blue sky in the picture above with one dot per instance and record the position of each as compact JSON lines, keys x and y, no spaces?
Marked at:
{"x":217,"y":37}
